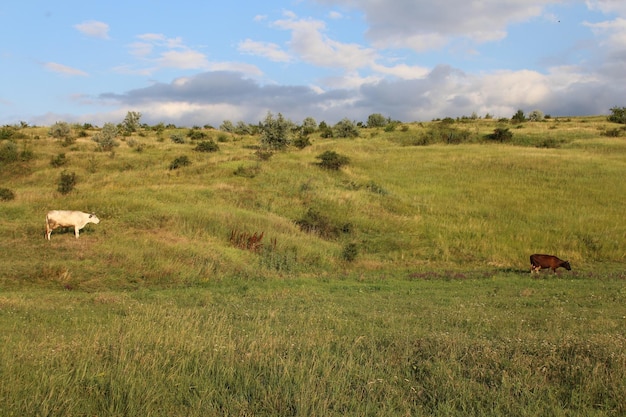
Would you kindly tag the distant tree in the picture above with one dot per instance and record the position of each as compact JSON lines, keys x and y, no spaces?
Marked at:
{"x":345,"y":128}
{"x":535,"y":116}
{"x":309,"y":125}
{"x":376,"y":120}
{"x":106,"y":137}
{"x":618,"y":115}
{"x":159,"y":129}
{"x":242,"y":128}
{"x":227,"y":126}
{"x":131,"y":122}
{"x":275,"y":131}
{"x":60,"y":130}
{"x":518,"y":117}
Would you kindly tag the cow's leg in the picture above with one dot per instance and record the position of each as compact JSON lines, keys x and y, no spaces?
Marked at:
{"x":76,"y":231}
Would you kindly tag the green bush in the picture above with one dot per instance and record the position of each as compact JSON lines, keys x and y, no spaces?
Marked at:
{"x":177,"y":138}
{"x":7,"y":132}
{"x":345,"y":129}
{"x":349,"y":252}
{"x":196,"y":134}
{"x":59,"y":160}
{"x":618,"y":115}
{"x":67,"y":181}
{"x":207,"y":146}
{"x":302,"y":142}
{"x":60,"y":130}
{"x":501,"y":134}
{"x":9,"y":152}
{"x":181,"y":161}
{"x":106,"y":137}
{"x":6,"y":194}
{"x":332,"y":160}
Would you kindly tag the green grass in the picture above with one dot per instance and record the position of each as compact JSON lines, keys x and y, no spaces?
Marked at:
{"x":155,"y":311}
{"x":443,"y":344}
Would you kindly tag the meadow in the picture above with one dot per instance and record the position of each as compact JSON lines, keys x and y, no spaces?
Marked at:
{"x":248,"y":285}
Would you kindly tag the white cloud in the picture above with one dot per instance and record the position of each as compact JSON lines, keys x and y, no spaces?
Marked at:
{"x":269,"y":50}
{"x":312,"y":46}
{"x":607,"y":6}
{"x":423,"y":24}
{"x":186,"y":59}
{"x":93,"y":29}
{"x":64,"y":69}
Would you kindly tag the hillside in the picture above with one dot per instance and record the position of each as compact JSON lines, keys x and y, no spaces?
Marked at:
{"x":405,"y":203}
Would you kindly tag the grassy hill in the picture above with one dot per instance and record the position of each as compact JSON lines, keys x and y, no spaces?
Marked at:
{"x":555,"y":187}
{"x":241,"y":284}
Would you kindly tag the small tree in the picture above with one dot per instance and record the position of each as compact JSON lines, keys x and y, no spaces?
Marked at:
{"x":106,"y":137}
{"x":309,"y":125}
{"x":227,"y":126}
{"x":535,"y":116}
{"x":518,"y":117}
{"x":275,"y":132}
{"x":618,"y":115}
{"x":345,"y":129}
{"x":376,"y":120}
{"x":131,"y":122}
{"x":60,"y":130}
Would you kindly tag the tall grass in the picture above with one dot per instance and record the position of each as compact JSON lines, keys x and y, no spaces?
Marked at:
{"x":406,"y":345}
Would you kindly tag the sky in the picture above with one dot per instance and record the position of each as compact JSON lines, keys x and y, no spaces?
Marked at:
{"x":197,"y":63}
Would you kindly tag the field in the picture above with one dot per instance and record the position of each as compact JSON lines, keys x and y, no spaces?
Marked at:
{"x":244,"y":284}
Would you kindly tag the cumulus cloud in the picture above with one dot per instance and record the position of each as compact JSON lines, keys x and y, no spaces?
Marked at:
{"x":423,"y":24}
{"x":94,"y":29}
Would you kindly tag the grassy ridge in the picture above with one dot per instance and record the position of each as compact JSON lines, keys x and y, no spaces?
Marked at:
{"x":461,"y":206}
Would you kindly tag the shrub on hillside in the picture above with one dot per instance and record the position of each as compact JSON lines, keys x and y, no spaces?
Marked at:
{"x":207,"y":146}
{"x":345,"y":128}
{"x":181,"y":161}
{"x":196,"y":134}
{"x":618,"y":115}
{"x":9,"y":152}
{"x":67,"y":181}
{"x":501,"y":134}
{"x":177,"y":138}
{"x":315,"y":222}
{"x":332,"y":160}
{"x":6,"y":194}
{"x":349,"y":252}
{"x":59,"y":160}
{"x":106,"y":137}
{"x":60,"y":130}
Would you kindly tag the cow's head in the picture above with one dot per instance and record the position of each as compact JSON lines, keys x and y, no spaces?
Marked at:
{"x":566,"y":265}
{"x":94,"y":219}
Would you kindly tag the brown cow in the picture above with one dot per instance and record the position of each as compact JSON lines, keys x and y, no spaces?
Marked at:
{"x":538,"y":261}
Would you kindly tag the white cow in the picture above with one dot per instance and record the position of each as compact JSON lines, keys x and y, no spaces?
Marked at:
{"x":68,"y":218}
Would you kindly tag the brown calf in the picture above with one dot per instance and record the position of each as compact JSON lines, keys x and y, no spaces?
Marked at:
{"x":538,"y":261}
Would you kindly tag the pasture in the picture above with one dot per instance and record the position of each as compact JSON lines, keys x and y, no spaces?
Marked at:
{"x":243,"y":285}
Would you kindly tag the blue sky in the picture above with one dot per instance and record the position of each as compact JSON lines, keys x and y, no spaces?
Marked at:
{"x":196,"y":63}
